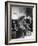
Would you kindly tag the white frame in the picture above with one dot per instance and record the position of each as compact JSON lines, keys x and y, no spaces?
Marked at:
{"x":34,"y":38}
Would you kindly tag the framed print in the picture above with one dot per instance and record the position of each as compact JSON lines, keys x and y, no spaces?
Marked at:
{"x":20,"y":22}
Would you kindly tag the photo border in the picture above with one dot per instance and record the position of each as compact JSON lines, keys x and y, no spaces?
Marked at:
{"x":6,"y":12}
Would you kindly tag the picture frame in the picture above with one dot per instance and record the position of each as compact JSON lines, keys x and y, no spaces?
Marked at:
{"x":27,"y":34}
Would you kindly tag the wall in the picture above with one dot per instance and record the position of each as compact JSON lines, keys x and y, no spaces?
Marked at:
{"x":2,"y":23}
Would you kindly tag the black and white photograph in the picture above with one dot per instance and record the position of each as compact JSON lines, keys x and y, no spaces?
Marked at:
{"x":20,"y":22}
